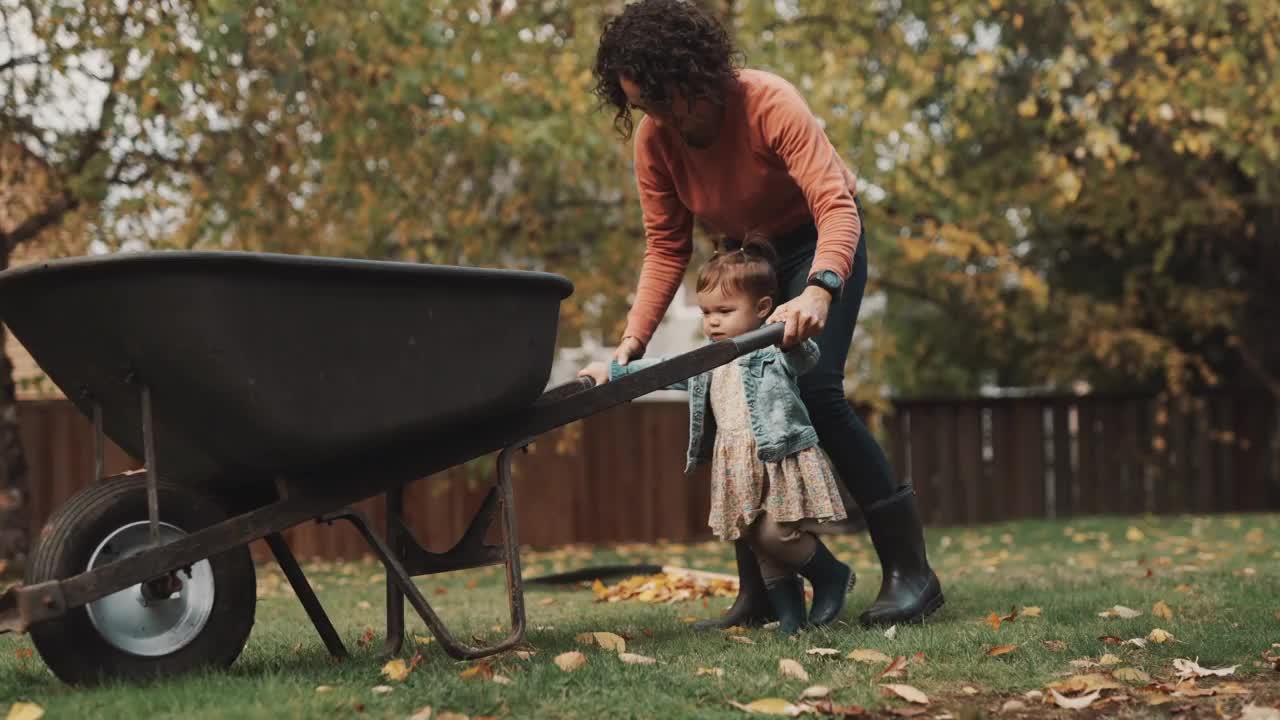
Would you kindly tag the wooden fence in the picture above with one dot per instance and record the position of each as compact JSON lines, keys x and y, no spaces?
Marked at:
{"x":617,"y":476}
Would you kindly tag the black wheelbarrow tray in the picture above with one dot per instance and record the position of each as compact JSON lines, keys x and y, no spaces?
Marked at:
{"x":264,"y":391}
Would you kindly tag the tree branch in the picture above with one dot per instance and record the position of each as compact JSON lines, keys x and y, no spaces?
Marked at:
{"x":14,"y":62}
{"x":1254,"y":363}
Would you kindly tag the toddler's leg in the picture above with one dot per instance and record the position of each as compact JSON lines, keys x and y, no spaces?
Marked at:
{"x":804,"y":553}
{"x":777,"y":567}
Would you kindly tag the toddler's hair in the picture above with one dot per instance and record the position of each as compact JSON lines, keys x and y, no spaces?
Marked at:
{"x":748,"y":266}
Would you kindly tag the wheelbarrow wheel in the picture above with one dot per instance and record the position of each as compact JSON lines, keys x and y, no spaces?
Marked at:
{"x":199,"y":617}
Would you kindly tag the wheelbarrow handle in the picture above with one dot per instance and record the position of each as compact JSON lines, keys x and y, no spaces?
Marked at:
{"x":761,"y":337}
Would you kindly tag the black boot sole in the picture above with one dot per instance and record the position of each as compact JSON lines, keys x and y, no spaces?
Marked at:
{"x":934,"y":605}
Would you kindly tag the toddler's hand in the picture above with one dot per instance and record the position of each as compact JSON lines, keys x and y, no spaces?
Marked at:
{"x":597,"y":371}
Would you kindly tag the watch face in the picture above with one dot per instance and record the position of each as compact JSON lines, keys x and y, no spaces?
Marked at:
{"x":828,"y":280}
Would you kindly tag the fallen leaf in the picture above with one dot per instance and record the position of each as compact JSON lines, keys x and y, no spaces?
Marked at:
{"x":423,"y":639}
{"x":1083,"y":664}
{"x":827,"y":707}
{"x":23,"y":653}
{"x":1191,"y":668}
{"x":895,"y":669}
{"x":892,"y":632}
{"x":769,"y":706}
{"x":449,"y":715}
{"x":482,"y":670}
{"x":1136,"y":642}
{"x":822,"y":651}
{"x":382,"y":689}
{"x":908,"y":693}
{"x":1032,"y":611}
{"x":1085,"y":683}
{"x":969,"y":690}
{"x":323,"y":688}
{"x":789,"y":668}
{"x":1033,"y":695}
{"x":396,"y":670}
{"x":815,"y":692}
{"x":634,"y":659}
{"x":918,"y":658}
{"x":742,"y":639}
{"x":994,"y":620}
{"x":502,"y":679}
{"x":25,"y":711}
{"x":415,"y":661}
{"x":1133,"y":534}
{"x":524,"y":654}
{"x":1131,"y":675}
{"x":1054,"y":645}
{"x":363,"y":605}
{"x":570,"y":661}
{"x":1161,"y":610}
{"x":999,"y":650}
{"x":607,"y":640}
{"x":1075,"y":703}
{"x":713,"y":672}
{"x":908,"y":711}
{"x":1120,"y":611}
{"x":1013,"y":706}
{"x":1111,"y":640}
{"x":547,"y":601}
{"x":868,"y":656}
{"x":1108,"y":659}
{"x":1259,"y":712}
{"x":1159,"y":636}
{"x":423,"y":713}
{"x":366,"y":638}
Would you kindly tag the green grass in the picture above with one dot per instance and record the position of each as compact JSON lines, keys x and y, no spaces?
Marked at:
{"x":1218,"y":574}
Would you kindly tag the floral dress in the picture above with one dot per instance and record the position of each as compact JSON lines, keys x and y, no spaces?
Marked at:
{"x":801,"y":487}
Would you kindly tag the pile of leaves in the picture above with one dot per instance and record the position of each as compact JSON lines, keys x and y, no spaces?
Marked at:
{"x":665,"y":588}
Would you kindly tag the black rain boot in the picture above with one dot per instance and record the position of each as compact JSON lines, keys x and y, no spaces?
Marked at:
{"x":752,"y":606}
{"x":832,"y":580}
{"x":909,"y":590}
{"x":787,"y":595}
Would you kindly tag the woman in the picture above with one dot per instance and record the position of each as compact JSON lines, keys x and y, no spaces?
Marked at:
{"x":740,"y":150}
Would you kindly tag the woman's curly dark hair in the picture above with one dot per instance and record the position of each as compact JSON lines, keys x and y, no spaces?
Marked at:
{"x":660,"y":44}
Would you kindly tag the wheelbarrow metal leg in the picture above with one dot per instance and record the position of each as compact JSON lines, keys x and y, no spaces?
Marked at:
{"x":397,"y":574}
{"x":395,"y":599}
{"x":153,"y":474}
{"x":307,"y":596}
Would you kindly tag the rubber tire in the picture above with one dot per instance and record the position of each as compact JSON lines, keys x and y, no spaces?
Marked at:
{"x":71,"y":645}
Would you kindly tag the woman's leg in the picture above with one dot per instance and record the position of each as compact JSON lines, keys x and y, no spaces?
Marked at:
{"x":909,"y":589}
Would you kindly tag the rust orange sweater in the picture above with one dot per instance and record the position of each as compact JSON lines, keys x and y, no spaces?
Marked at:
{"x":771,"y":169}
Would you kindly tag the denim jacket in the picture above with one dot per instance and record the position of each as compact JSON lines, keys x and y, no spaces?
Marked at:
{"x":779,"y":420}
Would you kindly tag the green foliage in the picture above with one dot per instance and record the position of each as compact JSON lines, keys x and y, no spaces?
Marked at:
{"x":1055,"y":191}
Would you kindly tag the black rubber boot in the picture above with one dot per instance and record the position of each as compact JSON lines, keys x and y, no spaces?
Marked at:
{"x":787,"y":595}
{"x":910,"y":590}
{"x":832,"y":580}
{"x":752,"y":606}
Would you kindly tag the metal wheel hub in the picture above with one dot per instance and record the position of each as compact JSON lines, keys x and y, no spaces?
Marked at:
{"x":143,"y":619}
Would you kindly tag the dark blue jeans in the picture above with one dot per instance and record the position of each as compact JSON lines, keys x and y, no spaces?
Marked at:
{"x":857,"y":457}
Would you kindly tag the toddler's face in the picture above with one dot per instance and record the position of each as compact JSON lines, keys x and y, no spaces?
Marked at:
{"x":730,"y":315}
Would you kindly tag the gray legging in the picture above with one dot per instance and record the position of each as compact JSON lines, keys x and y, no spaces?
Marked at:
{"x":857,"y":457}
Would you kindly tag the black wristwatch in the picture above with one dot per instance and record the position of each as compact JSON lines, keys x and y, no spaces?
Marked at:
{"x":827,"y":280}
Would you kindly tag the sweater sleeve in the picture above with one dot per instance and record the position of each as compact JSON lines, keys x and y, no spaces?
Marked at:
{"x":668,"y":229}
{"x":792,"y":132}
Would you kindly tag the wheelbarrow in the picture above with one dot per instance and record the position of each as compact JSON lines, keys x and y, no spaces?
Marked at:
{"x":265,"y":391}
